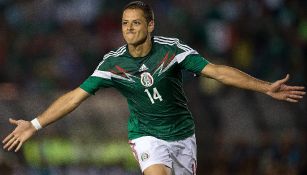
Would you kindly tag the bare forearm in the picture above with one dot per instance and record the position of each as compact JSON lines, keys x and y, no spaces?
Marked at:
{"x":61,"y":107}
{"x":234,"y":77}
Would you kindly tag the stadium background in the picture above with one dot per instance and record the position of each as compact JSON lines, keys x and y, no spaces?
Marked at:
{"x":48,"y":47}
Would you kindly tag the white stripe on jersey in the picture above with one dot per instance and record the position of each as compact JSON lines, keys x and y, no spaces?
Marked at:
{"x":171,"y":44}
{"x":176,"y":40}
{"x":116,"y":53}
{"x":178,"y":59}
{"x":171,"y":41}
{"x":109,"y":75}
{"x":102,"y":74}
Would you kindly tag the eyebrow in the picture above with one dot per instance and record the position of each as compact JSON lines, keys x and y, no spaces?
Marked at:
{"x":125,"y":20}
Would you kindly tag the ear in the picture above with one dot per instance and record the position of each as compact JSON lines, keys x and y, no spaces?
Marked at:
{"x":151,"y":26}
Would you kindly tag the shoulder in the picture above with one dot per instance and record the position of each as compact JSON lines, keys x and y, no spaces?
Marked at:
{"x":109,"y":57}
{"x":173,"y":42}
{"x":115,"y":53}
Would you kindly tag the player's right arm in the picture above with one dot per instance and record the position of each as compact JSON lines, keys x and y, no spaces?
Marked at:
{"x":58,"y":109}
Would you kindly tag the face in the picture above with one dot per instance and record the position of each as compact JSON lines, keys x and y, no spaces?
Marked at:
{"x":135,"y":28}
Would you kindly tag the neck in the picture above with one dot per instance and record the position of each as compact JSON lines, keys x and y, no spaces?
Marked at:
{"x":140,"y":50}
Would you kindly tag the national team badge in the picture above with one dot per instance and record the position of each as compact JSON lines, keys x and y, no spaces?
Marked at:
{"x":146,"y":79}
{"x":144,"y":156}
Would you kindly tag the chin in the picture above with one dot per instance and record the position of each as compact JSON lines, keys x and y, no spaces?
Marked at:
{"x":129,"y":41}
{"x":132,"y":42}
{"x":135,"y":41}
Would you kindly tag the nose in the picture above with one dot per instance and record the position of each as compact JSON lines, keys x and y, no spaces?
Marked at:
{"x":130,"y":27}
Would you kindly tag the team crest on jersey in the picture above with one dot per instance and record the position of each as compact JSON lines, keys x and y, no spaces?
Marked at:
{"x":144,"y":156}
{"x":146,"y":79}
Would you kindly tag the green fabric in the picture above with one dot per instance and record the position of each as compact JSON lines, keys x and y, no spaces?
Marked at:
{"x":153,"y":87}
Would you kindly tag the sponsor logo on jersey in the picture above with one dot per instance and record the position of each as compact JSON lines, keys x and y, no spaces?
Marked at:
{"x":144,"y":156}
{"x":146,"y":79}
{"x":143,"y":68}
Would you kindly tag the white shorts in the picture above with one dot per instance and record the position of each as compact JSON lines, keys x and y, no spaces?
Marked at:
{"x":180,"y":155}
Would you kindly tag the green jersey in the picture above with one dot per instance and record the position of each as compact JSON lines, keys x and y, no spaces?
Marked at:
{"x":152,"y":86}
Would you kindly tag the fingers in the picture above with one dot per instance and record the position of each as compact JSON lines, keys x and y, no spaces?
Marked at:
{"x":8,"y":138}
{"x":15,"y":143}
{"x":300,"y":93}
{"x":21,"y":133}
{"x":19,"y":146}
{"x":291,"y":100}
{"x":10,"y":143}
{"x":285,"y":79}
{"x":295,"y":96}
{"x":12,"y":121}
{"x":280,"y":84}
{"x":294,"y":88}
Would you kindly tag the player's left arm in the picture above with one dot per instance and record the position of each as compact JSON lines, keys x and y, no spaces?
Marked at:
{"x":234,"y":77}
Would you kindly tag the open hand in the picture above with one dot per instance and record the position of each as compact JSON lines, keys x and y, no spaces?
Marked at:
{"x":23,"y":131}
{"x":280,"y":91}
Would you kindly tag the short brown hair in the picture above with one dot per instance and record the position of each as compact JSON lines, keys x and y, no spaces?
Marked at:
{"x":148,"y":12}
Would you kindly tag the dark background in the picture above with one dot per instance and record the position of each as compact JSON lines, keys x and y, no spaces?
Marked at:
{"x":48,"y":47}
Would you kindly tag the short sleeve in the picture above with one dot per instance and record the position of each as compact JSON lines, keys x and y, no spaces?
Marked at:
{"x":187,"y":58}
{"x":101,"y":78}
{"x":194,"y":63}
{"x":92,"y":84}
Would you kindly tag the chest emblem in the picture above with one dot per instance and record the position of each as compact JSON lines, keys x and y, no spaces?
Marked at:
{"x":146,"y":79}
{"x":143,"y":68}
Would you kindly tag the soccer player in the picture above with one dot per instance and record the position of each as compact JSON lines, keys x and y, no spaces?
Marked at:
{"x":147,"y":71}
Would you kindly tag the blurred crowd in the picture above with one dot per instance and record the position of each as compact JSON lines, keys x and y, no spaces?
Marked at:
{"x":51,"y":46}
{"x":56,"y":44}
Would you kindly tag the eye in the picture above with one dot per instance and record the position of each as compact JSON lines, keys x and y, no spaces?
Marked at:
{"x":136,"y":22}
{"x":124,"y":23}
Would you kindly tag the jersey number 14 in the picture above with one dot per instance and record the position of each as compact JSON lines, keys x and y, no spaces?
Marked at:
{"x":155,"y":95}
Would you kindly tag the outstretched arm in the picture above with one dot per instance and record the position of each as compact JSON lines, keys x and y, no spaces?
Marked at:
{"x":58,"y":109}
{"x":234,"y":77}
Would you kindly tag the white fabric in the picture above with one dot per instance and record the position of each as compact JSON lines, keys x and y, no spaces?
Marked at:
{"x":36,"y":124}
{"x":102,"y":74}
{"x":180,"y":155}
